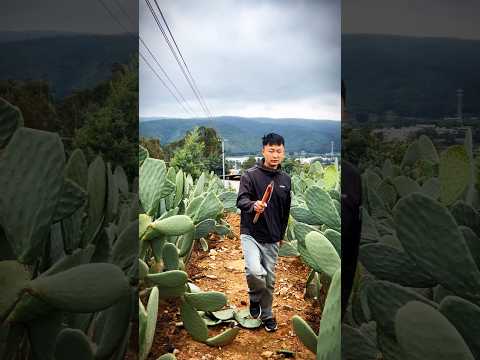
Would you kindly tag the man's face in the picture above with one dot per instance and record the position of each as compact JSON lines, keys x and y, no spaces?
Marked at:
{"x":274,"y":155}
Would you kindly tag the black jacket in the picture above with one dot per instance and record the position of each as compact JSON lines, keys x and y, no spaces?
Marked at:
{"x":351,"y":228}
{"x":272,"y":224}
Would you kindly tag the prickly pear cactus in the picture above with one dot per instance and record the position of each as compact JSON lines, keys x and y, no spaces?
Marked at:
{"x":176,"y":214}
{"x":420,"y":281}
{"x":67,"y":250}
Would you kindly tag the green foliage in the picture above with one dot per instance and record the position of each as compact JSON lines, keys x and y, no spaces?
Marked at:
{"x":189,"y":156}
{"x":179,"y":213}
{"x":65,"y":265}
{"x":153,"y":146}
{"x":423,"y":235}
{"x":112,"y":129}
{"x":250,"y":162}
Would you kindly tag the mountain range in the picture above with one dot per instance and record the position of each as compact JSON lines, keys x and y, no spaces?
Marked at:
{"x":244,"y":135}
{"x":68,"y":61}
{"x":409,"y":75}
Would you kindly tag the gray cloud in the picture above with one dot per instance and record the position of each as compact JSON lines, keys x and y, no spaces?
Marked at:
{"x":437,"y":18}
{"x":86,"y":16}
{"x":250,"y":58}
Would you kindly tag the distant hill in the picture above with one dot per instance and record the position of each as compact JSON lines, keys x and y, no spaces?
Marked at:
{"x":412,"y":76}
{"x":244,"y":134}
{"x":69,"y":61}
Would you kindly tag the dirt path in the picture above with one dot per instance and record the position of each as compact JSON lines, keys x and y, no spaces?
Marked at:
{"x":222,"y":269}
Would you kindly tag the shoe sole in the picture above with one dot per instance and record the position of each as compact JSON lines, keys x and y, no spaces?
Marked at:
{"x":271,"y":330}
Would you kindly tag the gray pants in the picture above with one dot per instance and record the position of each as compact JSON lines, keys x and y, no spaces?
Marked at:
{"x":260,"y":260}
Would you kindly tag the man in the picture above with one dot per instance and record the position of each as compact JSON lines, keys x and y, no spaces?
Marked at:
{"x":351,"y":220}
{"x":261,"y":241}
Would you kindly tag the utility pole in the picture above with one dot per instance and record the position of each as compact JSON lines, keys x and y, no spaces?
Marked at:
{"x":223,"y":158}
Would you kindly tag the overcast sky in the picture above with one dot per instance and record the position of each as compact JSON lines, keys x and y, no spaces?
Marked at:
{"x":249,"y":58}
{"x":436,"y":18}
{"x":86,"y":16}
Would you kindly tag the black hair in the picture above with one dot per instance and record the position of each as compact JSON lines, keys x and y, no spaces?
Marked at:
{"x":344,"y":92}
{"x":273,"y":139}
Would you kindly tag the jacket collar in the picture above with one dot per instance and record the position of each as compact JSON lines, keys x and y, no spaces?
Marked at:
{"x":261,"y":165}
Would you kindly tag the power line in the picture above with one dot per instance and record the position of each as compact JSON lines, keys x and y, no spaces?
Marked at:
{"x":152,"y":11}
{"x":112,"y":15}
{"x":168,"y":77}
{"x":181,"y":56}
{"x":161,"y":80}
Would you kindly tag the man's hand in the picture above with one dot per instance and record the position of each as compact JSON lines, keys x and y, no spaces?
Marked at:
{"x":259,"y":206}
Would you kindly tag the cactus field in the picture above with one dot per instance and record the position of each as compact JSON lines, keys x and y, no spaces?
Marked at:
{"x":193,"y":297}
{"x":417,"y":293}
{"x":68,"y":265}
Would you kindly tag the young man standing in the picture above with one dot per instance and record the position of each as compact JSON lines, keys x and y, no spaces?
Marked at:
{"x":261,"y":240}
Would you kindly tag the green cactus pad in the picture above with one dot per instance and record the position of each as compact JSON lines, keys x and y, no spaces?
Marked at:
{"x":143,"y":221}
{"x":329,"y":336}
{"x":96,"y":188}
{"x":384,"y":300}
{"x":113,"y":196}
{"x":72,"y":198}
{"x":125,"y":248}
{"x":10,"y":120}
{"x":223,"y":338}
{"x":387,"y":169}
{"x":115,"y":321}
{"x":170,"y":279}
{"x":465,"y":316}
{"x":13,"y":277}
{"x":322,"y":207}
{"x":84,"y":288}
{"x":224,"y":314}
{"x":167,"y":357}
{"x":405,"y":186}
{"x":411,"y":155}
{"x":30,"y":189}
{"x":170,"y":256}
{"x":325,"y":256}
{"x":222,"y":230}
{"x":73,"y":344}
{"x":390,"y":264}
{"x":209,"y":208}
{"x":431,"y":237}
{"x":431,"y":188}
{"x":243,"y":317}
{"x":413,"y":325}
{"x":174,"y":225}
{"x":288,"y":248}
{"x":193,"y":206}
{"x":357,"y":346}
{"x":172,"y":292}
{"x":454,"y":173}
{"x":305,"y":333}
{"x":193,"y":322}
{"x":77,"y":168}
{"x":143,"y":269}
{"x":152,"y":176}
{"x":186,"y":243}
{"x":203,"y":228}
{"x":78,"y":257}
{"x":207,"y":301}
{"x":229,"y":200}
{"x":335,"y":238}
{"x":388,"y":193}
{"x":303,"y":215}
{"x":200,"y":185}
{"x":149,"y":324}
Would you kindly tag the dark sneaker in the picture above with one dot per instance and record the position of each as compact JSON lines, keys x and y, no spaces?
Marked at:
{"x":255,"y":310}
{"x":270,"y":325}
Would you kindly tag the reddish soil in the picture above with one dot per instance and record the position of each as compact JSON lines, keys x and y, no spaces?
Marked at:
{"x":222,"y":269}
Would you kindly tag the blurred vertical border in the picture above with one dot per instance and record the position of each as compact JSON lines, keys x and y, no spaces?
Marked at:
{"x":68,"y":179}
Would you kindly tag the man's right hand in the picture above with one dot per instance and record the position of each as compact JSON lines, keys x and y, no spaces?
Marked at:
{"x":259,"y":206}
